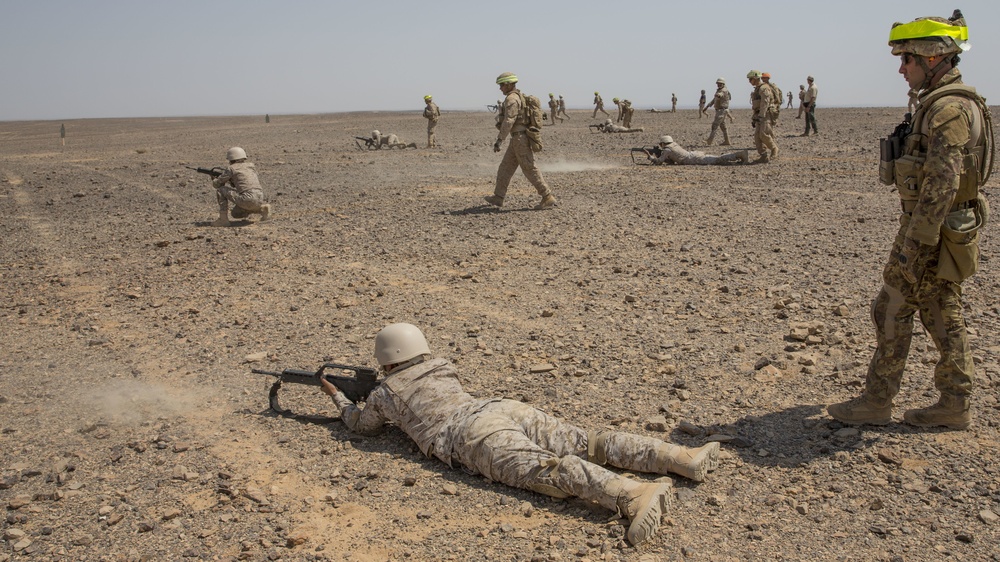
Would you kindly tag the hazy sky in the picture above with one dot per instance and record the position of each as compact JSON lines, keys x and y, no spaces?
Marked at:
{"x":68,"y":59}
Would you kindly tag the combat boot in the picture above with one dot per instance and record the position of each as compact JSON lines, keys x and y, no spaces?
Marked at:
{"x":774,"y":153}
{"x":950,"y":411}
{"x":861,"y":410}
{"x":725,"y":139}
{"x":744,"y":156}
{"x":547,"y":202}
{"x":643,"y":505}
{"x":692,"y":463}
{"x":710,"y":140}
{"x":265,"y":211}
{"x":223,"y":219}
{"x":494,"y":200}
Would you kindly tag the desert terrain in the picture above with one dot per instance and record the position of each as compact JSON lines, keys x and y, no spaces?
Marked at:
{"x":686,"y":302}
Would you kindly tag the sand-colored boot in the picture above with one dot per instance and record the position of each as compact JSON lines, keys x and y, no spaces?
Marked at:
{"x":950,"y":411}
{"x":547,"y":202}
{"x":744,"y":156}
{"x":643,"y":505}
{"x":692,"y":463}
{"x":725,"y":138}
{"x":223,"y":219}
{"x":861,"y":410}
{"x":494,"y":200}
{"x":265,"y":211}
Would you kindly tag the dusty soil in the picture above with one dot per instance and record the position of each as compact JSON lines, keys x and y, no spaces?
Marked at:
{"x":684,"y":302}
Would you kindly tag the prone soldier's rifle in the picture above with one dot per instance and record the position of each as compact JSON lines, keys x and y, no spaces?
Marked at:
{"x":599,"y":127}
{"x":369,"y":143}
{"x":214,"y":172}
{"x":647,"y":150}
{"x":356,"y":388}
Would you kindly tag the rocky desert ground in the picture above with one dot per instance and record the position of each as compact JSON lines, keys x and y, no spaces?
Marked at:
{"x":690,"y":303}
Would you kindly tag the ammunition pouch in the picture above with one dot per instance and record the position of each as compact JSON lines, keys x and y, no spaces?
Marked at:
{"x":959,"y":253}
{"x":908,"y":174}
{"x":534,"y":135}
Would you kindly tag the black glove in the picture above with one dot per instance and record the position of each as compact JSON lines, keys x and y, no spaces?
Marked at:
{"x":496,"y":146}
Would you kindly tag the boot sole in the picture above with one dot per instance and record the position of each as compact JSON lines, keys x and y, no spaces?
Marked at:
{"x":908,"y":419}
{"x":647,"y":520}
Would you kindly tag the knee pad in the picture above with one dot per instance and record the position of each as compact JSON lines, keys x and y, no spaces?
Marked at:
{"x":597,"y":447}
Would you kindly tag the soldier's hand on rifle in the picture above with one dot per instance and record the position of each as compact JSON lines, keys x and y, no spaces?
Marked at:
{"x":496,"y":146}
{"x":908,"y":260}
{"x":327,"y":387}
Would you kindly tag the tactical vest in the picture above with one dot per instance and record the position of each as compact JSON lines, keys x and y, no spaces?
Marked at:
{"x":977,"y":160}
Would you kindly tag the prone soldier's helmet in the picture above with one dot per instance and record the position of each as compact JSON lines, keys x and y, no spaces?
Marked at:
{"x":398,"y":343}
{"x":930,"y":36}
{"x":376,"y":134}
{"x":666,"y":139}
{"x":607,"y":121}
{"x":236,"y":153}
{"x":754,"y":74}
{"x":507,"y":78}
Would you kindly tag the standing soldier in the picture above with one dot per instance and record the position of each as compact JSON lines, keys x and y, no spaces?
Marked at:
{"x":513,"y":120}
{"x":810,"y":102}
{"x":789,"y":100}
{"x":627,"y":112}
{"x":599,"y":106}
{"x":721,"y":104}
{"x":673,"y":103}
{"x":618,"y":112}
{"x":911,"y":105}
{"x":765,"y":101}
{"x":562,"y":107}
{"x":431,"y":113}
{"x":701,"y":105}
{"x":553,"y":109}
{"x":802,"y":100}
{"x":945,"y":158}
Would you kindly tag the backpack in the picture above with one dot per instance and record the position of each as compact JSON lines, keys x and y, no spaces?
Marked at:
{"x":777,"y":96}
{"x":533,"y":116}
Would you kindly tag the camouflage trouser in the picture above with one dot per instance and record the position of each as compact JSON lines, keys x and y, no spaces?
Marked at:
{"x":249,"y":201}
{"x":802,"y":108}
{"x":701,"y":109}
{"x":562,"y":111}
{"x":939,"y":303}
{"x":521,"y":446}
{"x":627,"y":120}
{"x":519,"y":154}
{"x":431,"y":125}
{"x":553,"y":116}
{"x":702,"y":159}
{"x":719,"y":123}
{"x":600,"y":107}
{"x":763,"y":136}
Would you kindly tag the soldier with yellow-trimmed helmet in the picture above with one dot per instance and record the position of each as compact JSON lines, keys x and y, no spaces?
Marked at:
{"x":598,"y":105}
{"x":431,"y":113}
{"x":937,"y":161}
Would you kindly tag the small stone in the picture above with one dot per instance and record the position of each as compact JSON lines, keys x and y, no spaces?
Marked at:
{"x":449,"y":489}
{"x":255,"y":357}
{"x":542,"y":368}
{"x":989,"y":517}
{"x":847,"y":432}
{"x":967,"y":538}
{"x":83,"y":540}
{"x":171,"y":514}
{"x":13,"y":534}
{"x":802,"y":509}
{"x":657,"y":423}
{"x":146,"y":526}
{"x":21,"y":545}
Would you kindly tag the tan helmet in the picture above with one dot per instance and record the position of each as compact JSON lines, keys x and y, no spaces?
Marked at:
{"x":615,"y":100}
{"x":930,"y":36}
{"x":376,"y":134}
{"x":720,"y":80}
{"x":236,"y":153}
{"x":398,"y":343}
{"x":607,"y":121}
{"x":507,"y":78}
{"x":666,"y":139}
{"x":754,"y":74}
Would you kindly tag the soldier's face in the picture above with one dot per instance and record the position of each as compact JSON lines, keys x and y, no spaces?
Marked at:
{"x":911,"y":71}
{"x":507,"y":88}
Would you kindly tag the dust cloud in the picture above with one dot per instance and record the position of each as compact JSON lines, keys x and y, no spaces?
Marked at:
{"x":129,"y":401}
{"x":562,"y":165}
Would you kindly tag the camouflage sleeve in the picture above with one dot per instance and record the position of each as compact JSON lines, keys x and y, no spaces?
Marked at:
{"x":947,"y":132}
{"x":511,"y":109}
{"x":365,"y":421}
{"x":224,"y":178}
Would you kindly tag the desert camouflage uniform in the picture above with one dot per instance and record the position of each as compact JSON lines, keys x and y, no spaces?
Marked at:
{"x":553,"y":110}
{"x":673,"y":103}
{"x":677,"y":154}
{"x":562,"y":107}
{"x":431,"y":113}
{"x":802,"y":99}
{"x":627,"y":112}
{"x":951,"y":124}
{"x":764,"y":115}
{"x":390,"y":141}
{"x":599,"y":106}
{"x":608,"y":127}
{"x":721,"y":104}
{"x":701,"y":105}
{"x":511,"y":120}
{"x":789,"y":100}
{"x":504,"y":440}
{"x":240,"y":186}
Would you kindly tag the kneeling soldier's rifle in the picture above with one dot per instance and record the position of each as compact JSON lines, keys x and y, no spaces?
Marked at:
{"x":369,"y":142}
{"x":214,"y":172}
{"x":356,"y":388}
{"x":647,"y":150}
